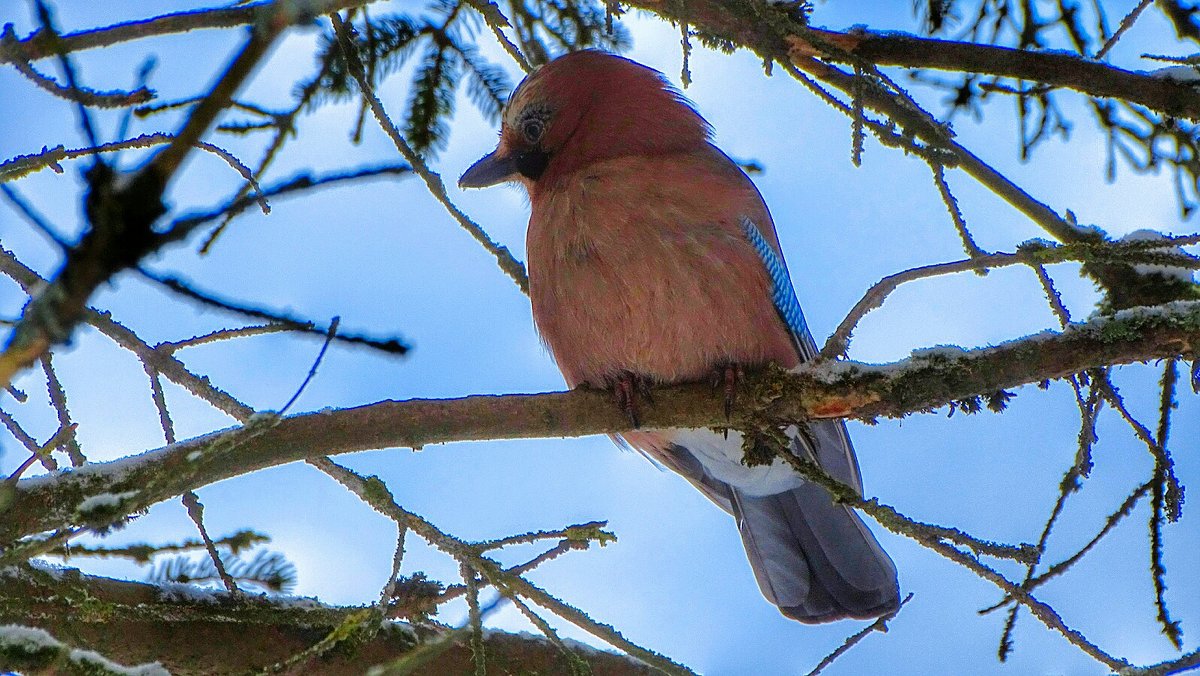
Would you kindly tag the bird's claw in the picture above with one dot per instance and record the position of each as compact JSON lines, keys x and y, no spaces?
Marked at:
{"x":627,"y":389}
{"x":727,"y":376}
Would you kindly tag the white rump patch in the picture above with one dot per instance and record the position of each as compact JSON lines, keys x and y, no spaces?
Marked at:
{"x":723,"y":459}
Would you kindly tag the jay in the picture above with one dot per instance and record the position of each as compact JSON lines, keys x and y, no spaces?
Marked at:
{"x":653,"y":259}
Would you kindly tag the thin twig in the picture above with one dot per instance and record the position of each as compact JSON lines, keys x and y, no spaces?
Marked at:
{"x":956,"y":215}
{"x":38,"y":46}
{"x":373,"y":491}
{"x":455,"y":590}
{"x":36,"y":450}
{"x":880,"y":624}
{"x":511,"y":266}
{"x":577,"y":666}
{"x":286,"y":127}
{"x":83,"y":95}
{"x":191,"y":501}
{"x":1061,"y":567}
{"x":172,"y":346}
{"x":50,"y":34}
{"x":35,"y":218}
{"x":1053,"y":297}
{"x":312,"y":372}
{"x":420,"y":656}
{"x":143,"y":76}
{"x":388,"y":593}
{"x":475,"y":619}
{"x":195,"y":510}
{"x":300,"y":183}
{"x":144,"y":553}
{"x":1125,"y":25}
{"x":58,"y":399}
{"x":582,"y":532}
{"x":393,"y":346}
{"x":1040,"y":254}
{"x":22,"y":165}
{"x":160,"y":361}
{"x":934,"y":540}
{"x":41,"y":453}
{"x":496,"y":21}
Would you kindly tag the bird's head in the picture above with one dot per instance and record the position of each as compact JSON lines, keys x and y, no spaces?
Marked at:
{"x":581,"y":108}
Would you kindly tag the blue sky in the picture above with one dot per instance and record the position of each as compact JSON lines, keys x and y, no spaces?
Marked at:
{"x":386,"y":258}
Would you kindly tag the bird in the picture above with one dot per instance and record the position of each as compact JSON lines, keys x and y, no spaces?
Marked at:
{"x":652,"y":259}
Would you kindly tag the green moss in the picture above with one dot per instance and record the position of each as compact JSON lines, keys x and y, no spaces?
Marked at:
{"x":376,"y":492}
{"x":1118,"y":331}
{"x":23,"y":656}
{"x":590,"y":533}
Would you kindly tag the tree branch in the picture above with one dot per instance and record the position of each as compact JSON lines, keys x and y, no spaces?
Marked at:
{"x":1057,"y":69}
{"x":829,"y":390}
{"x":190,"y":629}
{"x":39,"y":46}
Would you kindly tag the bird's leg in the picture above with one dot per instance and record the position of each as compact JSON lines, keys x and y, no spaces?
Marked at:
{"x":727,"y":376}
{"x":627,"y":388}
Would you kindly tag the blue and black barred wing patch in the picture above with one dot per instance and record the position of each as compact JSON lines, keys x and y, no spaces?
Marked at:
{"x":782,"y":293}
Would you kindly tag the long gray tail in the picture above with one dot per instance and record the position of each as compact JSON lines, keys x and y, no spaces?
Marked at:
{"x":814,"y":558}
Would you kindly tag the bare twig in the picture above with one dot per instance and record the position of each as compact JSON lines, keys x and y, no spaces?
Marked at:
{"x":1061,"y":567}
{"x":475,"y":618}
{"x":1125,"y":25}
{"x":298,"y":184}
{"x":144,"y":553}
{"x":878,"y":625}
{"x":82,"y":95}
{"x":372,"y":491}
{"x":159,"y":361}
{"x":312,"y":372}
{"x":285,"y":129}
{"x":35,"y":218}
{"x":392,"y":346}
{"x":195,"y":510}
{"x":960,"y":223}
{"x":22,"y":165}
{"x":36,"y":452}
{"x":1034,"y":254}
{"x":582,"y":532}
{"x":58,"y":399}
{"x":511,"y":266}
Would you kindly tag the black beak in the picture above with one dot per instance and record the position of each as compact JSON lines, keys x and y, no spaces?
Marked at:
{"x":489,"y":170}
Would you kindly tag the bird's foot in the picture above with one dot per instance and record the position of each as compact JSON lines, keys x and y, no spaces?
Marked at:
{"x":627,"y":389}
{"x":727,"y":376}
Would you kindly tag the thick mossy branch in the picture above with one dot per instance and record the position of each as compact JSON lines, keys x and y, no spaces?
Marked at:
{"x":189,"y":630}
{"x":34,"y":650}
{"x":829,"y":390}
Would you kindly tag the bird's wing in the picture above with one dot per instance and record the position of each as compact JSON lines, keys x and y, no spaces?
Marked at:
{"x":783,"y":295}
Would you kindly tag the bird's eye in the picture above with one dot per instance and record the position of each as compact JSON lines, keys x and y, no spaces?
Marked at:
{"x":533,"y":128}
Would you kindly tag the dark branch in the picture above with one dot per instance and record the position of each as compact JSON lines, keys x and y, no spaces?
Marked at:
{"x":39,"y":45}
{"x":1058,"y":69}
